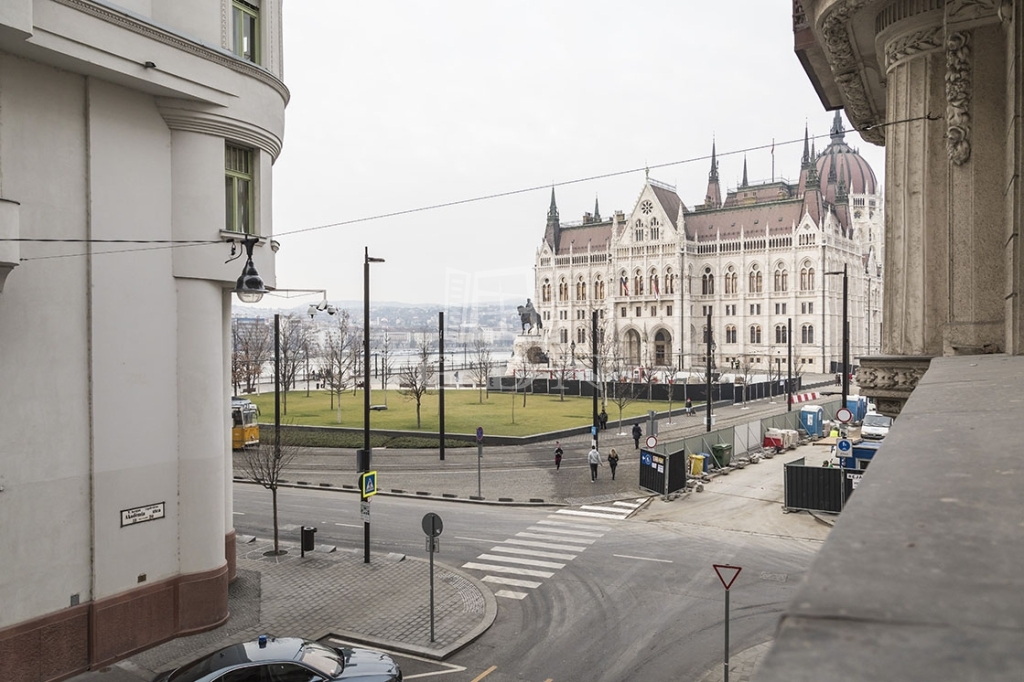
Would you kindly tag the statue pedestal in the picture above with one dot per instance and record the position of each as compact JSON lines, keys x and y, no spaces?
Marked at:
{"x":529,"y":354}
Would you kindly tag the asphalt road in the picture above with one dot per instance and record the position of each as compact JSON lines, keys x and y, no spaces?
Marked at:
{"x":615,"y":600}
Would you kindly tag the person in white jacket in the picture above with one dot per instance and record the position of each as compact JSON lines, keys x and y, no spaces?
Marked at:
{"x":594,"y":457}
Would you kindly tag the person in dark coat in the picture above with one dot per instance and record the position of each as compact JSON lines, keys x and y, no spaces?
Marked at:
{"x":613,"y":461}
{"x":603,"y":419}
{"x":636,"y":436}
{"x":558,"y":456}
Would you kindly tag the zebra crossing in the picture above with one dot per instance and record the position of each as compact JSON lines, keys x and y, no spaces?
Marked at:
{"x":522,"y":562}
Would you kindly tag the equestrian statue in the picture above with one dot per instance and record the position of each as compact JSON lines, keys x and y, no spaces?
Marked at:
{"x":529,"y":316}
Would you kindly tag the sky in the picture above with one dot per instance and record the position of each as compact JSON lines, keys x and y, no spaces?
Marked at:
{"x":432,"y":133}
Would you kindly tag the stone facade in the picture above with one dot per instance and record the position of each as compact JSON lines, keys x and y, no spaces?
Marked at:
{"x":120,"y":126}
{"x":756,"y":261}
{"x":938,"y":83}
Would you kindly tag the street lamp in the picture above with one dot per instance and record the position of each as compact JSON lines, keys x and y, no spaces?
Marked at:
{"x":249,"y":287}
{"x":572,"y":352}
{"x":846,"y":335}
{"x":364,"y":460}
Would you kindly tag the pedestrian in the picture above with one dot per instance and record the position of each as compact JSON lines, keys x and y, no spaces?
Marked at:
{"x":594,"y":457}
{"x":636,"y":436}
{"x":603,"y":417}
{"x":689,"y":407}
{"x":613,"y":461}
{"x":558,"y":456}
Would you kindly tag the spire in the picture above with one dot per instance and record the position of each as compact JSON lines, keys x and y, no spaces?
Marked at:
{"x":744,"y":183}
{"x":713,"y":197}
{"x":597,"y":211}
{"x":713,"y":175}
{"x":807,"y":154}
{"x":841,"y":194}
{"x":838,"y":132}
{"x":551,"y":232}
{"x":553,"y":210}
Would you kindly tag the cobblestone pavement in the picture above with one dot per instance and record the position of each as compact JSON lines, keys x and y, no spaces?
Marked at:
{"x":327,"y":593}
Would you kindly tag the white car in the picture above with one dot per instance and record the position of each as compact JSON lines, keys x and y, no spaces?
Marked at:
{"x":875,"y":426}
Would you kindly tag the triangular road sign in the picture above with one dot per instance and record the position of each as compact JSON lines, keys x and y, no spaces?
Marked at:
{"x":727,"y":574}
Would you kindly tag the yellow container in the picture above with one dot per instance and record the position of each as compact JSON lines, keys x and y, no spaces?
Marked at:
{"x":696,"y":465}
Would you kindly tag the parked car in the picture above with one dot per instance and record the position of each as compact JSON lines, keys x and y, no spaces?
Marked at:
{"x":875,"y":426}
{"x":287,"y":659}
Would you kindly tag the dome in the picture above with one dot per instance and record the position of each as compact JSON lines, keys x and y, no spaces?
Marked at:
{"x":838,"y":162}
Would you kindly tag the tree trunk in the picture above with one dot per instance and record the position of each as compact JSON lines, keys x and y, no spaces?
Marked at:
{"x":273,"y":494}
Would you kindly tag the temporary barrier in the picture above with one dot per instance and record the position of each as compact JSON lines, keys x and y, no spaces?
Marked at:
{"x":663,"y":468}
{"x":818,"y":488}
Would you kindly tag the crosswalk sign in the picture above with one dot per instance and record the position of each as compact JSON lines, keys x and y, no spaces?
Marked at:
{"x":368,"y":484}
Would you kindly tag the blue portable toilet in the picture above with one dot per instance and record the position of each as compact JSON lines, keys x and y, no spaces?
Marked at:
{"x":812,"y":419}
{"x":858,"y":406}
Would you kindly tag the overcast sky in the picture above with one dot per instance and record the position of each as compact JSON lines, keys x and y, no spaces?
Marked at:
{"x":402,"y":105}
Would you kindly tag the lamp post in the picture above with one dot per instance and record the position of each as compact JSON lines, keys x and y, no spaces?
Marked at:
{"x":711,"y":348}
{"x":364,"y":460}
{"x":846,"y":335}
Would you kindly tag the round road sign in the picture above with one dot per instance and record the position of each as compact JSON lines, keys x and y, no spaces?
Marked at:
{"x":479,"y":434}
{"x":651,"y":441}
{"x":432,"y":524}
{"x":844,"y":415}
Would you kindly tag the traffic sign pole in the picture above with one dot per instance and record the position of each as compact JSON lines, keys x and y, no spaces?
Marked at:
{"x":727,"y":575}
{"x":479,"y":456}
{"x":432,"y":526}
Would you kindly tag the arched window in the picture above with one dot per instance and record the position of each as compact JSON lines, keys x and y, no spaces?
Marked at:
{"x":563,"y":290}
{"x":545,"y":291}
{"x":638,"y":283}
{"x":638,"y":233}
{"x":689,"y":280}
{"x":807,"y":278}
{"x":623,"y":284}
{"x":730,"y":334}
{"x":632,"y":348}
{"x":581,"y":335}
{"x":581,"y":289}
{"x":780,"y":333}
{"x":670,"y":281}
{"x":652,"y":278}
{"x":707,"y":282}
{"x":599,"y":288}
{"x":781,"y":280}
{"x":662,"y":348}
{"x":730,"y":280}
{"x":807,"y":333}
{"x":755,"y":280}
{"x":755,"y":333}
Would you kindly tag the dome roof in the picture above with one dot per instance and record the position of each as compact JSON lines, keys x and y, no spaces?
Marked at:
{"x":840,"y":162}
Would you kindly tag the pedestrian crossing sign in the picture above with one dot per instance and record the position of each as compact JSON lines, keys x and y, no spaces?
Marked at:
{"x":368,"y":484}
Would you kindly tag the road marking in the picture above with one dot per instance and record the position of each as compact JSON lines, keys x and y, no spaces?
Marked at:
{"x":533,"y":552}
{"x":349,"y":525}
{"x":599,"y":508}
{"x":542,"y":545}
{"x":642,"y":558}
{"x":524,"y":562}
{"x":574,"y":541}
{"x":508,"y":569}
{"x":498,"y":580}
{"x":509,"y":594}
{"x":618,"y":516}
{"x":485,"y":673}
{"x":585,"y":524}
{"x":631,"y":505}
{"x":564,"y":531}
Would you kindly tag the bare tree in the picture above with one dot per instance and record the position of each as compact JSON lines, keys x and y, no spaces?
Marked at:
{"x":746,"y":373}
{"x":621,"y":390}
{"x":294,"y":344}
{"x":414,"y":380}
{"x":339,"y":358}
{"x":564,"y":365}
{"x":480,"y":369}
{"x":387,"y":365}
{"x":252,"y":344}
{"x":648,"y":369}
{"x":264,"y":465}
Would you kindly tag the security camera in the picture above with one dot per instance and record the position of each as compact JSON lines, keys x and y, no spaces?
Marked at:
{"x":311,"y":311}
{"x":331,"y":310}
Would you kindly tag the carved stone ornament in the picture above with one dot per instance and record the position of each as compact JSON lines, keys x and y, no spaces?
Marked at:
{"x":888,"y":380}
{"x":845,"y":66}
{"x":913,"y":44}
{"x":970,"y":10}
{"x":958,"y":97}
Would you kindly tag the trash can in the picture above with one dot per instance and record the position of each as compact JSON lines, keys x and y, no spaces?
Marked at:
{"x":697,"y":465}
{"x":308,"y":533}
{"x":722,"y":453}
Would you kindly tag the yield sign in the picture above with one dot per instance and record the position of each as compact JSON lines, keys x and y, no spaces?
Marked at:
{"x":727,"y":574}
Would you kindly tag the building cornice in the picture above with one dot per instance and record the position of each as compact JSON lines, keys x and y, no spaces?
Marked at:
{"x":209,"y":123}
{"x":216,"y":55}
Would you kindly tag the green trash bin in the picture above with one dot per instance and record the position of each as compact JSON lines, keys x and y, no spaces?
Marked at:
{"x":722,"y":453}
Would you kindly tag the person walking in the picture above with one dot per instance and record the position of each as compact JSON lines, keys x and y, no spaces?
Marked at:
{"x":689,"y":407}
{"x":594,"y":457}
{"x":558,"y":456}
{"x":603,"y":419}
{"x":636,"y":436}
{"x":613,"y":461}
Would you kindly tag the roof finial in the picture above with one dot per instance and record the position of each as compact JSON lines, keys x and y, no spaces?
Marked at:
{"x":597,"y":211}
{"x":807,"y":152}
{"x":647,"y":173}
{"x":713,"y":175}
{"x":838,"y":132}
{"x":744,"y":183}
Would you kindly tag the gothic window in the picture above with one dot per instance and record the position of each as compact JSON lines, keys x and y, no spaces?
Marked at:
{"x":639,"y":231}
{"x":707,"y":282}
{"x":581,"y":289}
{"x":632,"y":348}
{"x":780,"y":333}
{"x":662,"y":348}
{"x":623,"y":284}
{"x":730,"y":280}
{"x":807,"y":279}
{"x":563,"y":290}
{"x":581,"y":335}
{"x":755,"y":280}
{"x":730,"y":334}
{"x":755,"y":333}
{"x":563,"y":335}
{"x":599,"y":289}
{"x":545,"y":292}
{"x":807,"y":334}
{"x":638,"y":283}
{"x":781,"y":280}
{"x":655,"y":230}
{"x":670,"y":281}
{"x":653,"y":280}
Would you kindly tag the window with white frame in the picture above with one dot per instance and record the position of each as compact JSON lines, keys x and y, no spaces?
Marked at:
{"x":239,"y":186}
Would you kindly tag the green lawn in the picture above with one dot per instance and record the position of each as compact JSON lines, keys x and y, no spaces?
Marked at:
{"x":499,"y":414}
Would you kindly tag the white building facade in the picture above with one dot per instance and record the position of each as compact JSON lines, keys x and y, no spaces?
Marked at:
{"x":757,"y":262}
{"x":157,"y":122}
